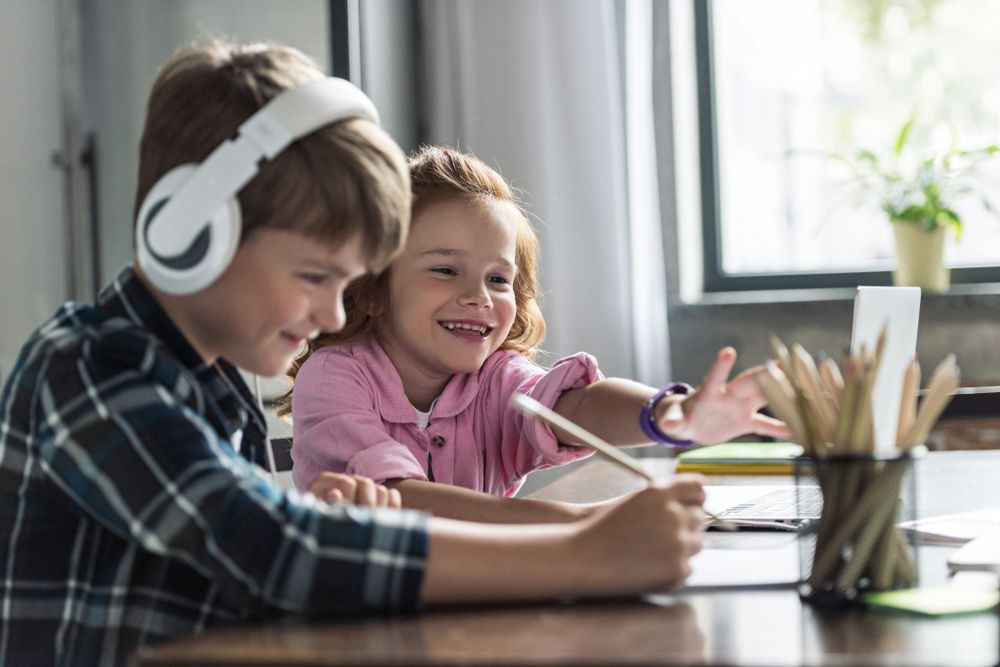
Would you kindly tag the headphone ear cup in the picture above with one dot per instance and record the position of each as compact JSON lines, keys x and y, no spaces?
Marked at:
{"x":205,"y":257}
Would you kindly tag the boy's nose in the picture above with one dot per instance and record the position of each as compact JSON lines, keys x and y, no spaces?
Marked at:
{"x":329,"y":315}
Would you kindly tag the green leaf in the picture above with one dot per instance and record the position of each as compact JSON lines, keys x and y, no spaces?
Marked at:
{"x":865,"y":155}
{"x":916,"y":192}
{"x":982,"y":152}
{"x":917,"y":215}
{"x":948,"y":217}
{"x":904,"y":132}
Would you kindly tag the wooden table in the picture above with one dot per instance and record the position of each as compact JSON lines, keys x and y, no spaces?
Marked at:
{"x":746,"y":627}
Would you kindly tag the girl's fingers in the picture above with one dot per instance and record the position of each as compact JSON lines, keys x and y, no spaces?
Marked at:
{"x":769,"y":426}
{"x":745,"y":388}
{"x":325,"y":482}
{"x":365,"y":493}
{"x":719,"y":372}
{"x":357,"y":489}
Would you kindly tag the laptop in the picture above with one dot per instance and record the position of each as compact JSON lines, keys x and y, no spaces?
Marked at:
{"x":897,"y":310}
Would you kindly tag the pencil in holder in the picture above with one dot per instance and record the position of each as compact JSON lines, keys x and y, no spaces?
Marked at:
{"x":856,"y":545}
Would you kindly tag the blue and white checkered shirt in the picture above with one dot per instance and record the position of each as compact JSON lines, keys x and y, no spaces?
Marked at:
{"x":127,"y":517}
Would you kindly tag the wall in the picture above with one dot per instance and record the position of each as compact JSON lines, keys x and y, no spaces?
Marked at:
{"x":389,"y":69}
{"x":33,"y":279}
{"x":126,"y":42}
{"x":963,"y":322}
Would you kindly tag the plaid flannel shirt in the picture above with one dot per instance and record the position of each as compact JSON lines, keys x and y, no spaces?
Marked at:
{"x":131,"y":511}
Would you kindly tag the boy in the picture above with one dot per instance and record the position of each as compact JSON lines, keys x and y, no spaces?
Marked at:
{"x":129,"y":503}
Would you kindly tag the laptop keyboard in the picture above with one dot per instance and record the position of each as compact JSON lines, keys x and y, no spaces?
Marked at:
{"x":780,"y":504}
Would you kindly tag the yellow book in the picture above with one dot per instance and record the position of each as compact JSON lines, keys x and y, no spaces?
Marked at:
{"x":741,"y":458}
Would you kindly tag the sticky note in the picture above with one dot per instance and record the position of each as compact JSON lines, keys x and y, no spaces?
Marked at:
{"x":934,"y":600}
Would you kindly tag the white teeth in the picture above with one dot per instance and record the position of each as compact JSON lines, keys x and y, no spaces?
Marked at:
{"x":451,"y":326}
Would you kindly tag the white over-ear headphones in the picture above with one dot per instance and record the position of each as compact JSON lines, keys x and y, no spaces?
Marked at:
{"x":189,"y":224}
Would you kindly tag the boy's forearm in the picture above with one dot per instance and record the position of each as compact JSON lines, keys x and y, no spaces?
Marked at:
{"x":453,"y":502}
{"x":470,"y":562}
{"x":640,"y":544}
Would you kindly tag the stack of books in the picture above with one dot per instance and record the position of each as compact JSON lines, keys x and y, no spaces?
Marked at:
{"x":741,"y":458}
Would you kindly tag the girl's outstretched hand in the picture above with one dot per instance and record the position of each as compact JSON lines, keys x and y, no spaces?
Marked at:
{"x":719,"y":410}
{"x":335,"y":487}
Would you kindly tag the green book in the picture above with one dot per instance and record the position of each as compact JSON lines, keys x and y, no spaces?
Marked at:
{"x":736,"y":458}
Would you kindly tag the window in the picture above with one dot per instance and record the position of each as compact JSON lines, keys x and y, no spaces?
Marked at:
{"x":777,"y":79}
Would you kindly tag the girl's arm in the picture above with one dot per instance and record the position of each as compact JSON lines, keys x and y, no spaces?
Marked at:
{"x":455,"y":502}
{"x":715,"y":412}
{"x":641,"y":545}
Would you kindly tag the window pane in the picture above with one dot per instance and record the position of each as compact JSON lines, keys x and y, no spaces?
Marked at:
{"x":794,"y":76}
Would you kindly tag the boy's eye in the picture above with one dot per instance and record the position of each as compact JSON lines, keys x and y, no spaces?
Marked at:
{"x":314,"y":278}
{"x":445,"y":270}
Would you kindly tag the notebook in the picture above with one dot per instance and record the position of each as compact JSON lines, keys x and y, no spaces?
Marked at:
{"x":982,"y":553}
{"x":896,"y":309}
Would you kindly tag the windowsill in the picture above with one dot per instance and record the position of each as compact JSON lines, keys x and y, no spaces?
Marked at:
{"x":974,"y":294}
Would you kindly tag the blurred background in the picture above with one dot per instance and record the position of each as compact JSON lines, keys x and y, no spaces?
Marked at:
{"x":673,"y":154}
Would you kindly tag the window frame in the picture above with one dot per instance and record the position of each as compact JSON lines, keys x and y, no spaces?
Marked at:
{"x":343,"y":18}
{"x":714,"y":277}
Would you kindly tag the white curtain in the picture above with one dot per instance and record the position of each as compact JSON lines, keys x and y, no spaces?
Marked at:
{"x":556,"y":94}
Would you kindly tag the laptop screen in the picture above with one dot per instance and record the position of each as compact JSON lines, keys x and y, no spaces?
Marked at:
{"x":898,"y":310}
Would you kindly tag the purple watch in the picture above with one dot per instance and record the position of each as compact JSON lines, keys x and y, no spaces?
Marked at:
{"x":647,"y":417}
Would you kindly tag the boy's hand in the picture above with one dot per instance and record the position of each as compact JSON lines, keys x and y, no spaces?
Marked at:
{"x":334,"y":487}
{"x":645,"y":542}
{"x":718,"y":411}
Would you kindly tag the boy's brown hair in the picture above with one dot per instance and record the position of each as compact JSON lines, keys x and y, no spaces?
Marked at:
{"x":436,"y":173}
{"x":344,"y":179}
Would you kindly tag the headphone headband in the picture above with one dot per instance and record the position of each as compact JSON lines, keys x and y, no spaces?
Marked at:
{"x":187,"y":211}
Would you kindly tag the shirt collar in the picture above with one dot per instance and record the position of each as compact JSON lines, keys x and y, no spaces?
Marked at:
{"x":127,"y":297}
{"x":232,"y":406}
{"x":456,"y":397}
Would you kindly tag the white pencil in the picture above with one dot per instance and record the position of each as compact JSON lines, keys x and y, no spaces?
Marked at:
{"x":532,"y":407}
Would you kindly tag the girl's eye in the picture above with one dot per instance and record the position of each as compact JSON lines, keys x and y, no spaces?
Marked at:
{"x":444,"y":270}
{"x":499,"y":280}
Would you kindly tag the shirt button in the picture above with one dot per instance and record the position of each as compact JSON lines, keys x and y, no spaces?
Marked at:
{"x":438,"y":441}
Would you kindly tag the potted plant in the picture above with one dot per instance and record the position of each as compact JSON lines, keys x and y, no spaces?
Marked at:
{"x":918,"y":195}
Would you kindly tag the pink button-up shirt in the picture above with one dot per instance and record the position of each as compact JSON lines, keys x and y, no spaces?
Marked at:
{"x":350,"y":415}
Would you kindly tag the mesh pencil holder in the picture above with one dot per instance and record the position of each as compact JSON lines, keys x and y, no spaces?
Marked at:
{"x":856,"y":545}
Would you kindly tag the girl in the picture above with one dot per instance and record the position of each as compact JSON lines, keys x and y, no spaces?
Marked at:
{"x":414,"y":391}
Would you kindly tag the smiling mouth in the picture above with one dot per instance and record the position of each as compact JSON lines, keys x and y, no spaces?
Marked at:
{"x":467,"y":327}
{"x":296,"y":339}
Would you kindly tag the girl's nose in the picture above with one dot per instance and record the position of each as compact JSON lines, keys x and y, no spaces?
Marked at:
{"x":476,"y":295}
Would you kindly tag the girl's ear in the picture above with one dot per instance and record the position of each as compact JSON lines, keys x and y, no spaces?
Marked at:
{"x":376,"y":299}
{"x":373,"y":308}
